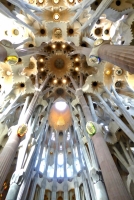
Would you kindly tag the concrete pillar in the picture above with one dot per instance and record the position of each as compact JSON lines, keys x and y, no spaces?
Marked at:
{"x":86,"y":191}
{"x":28,"y":182}
{"x":103,"y":154}
{"x":33,"y":187}
{"x":31,"y":107}
{"x":65,"y":188}
{"x":119,"y":55}
{"x":3,"y":53}
{"x":54,"y":190}
{"x":111,"y":176}
{"x":29,"y":166}
{"x":76,"y":187}
{"x":8,"y":154}
{"x":9,"y":151}
{"x":42,"y":189}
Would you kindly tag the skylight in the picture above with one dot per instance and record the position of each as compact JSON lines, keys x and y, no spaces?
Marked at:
{"x":60,"y":105}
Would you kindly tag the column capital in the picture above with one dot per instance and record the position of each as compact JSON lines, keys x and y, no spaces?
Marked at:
{"x":43,"y":183}
{"x":76,"y":184}
{"x":65,"y":187}
{"x":54,"y":187}
{"x":17,"y":177}
{"x":79,"y":92}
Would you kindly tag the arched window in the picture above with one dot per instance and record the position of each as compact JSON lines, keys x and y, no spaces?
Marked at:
{"x":69,"y":170}
{"x":50,"y":171}
{"x":60,"y":159}
{"x":43,"y":161}
{"x":60,"y":169}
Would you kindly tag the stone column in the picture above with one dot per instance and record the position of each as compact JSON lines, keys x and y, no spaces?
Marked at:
{"x":76,"y":187}
{"x":111,"y":176}
{"x":90,"y":185}
{"x":92,"y":191}
{"x":22,"y":150}
{"x":76,"y":184}
{"x":89,"y":140}
{"x":28,"y":176}
{"x":24,"y":196}
{"x":65,"y":188}
{"x":119,"y":55}
{"x":3,"y":53}
{"x":54,"y":190}
{"x":54,"y":186}
{"x":31,"y":107}
{"x":86,"y":191}
{"x":100,"y":191}
{"x":105,"y":160}
{"x":33,"y":187}
{"x":43,"y":183}
{"x":8,"y":154}
{"x":15,"y":182}
{"x":113,"y":181}
{"x":28,"y":167}
{"x":9,"y":151}
{"x":42,"y":190}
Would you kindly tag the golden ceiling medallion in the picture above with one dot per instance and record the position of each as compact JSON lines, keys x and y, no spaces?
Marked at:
{"x":31,"y":1}
{"x":11,"y":60}
{"x":15,"y":32}
{"x":58,"y":33}
{"x":90,"y":128}
{"x":71,"y":1}
{"x":98,"y":42}
{"x":56,"y":1}
{"x":56,"y":16}
{"x":40,"y":2}
{"x":22,"y":130}
{"x":59,"y":65}
{"x":119,"y":72}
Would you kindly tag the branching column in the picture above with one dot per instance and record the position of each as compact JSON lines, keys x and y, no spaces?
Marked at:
{"x":112,"y":179}
{"x":86,"y":191}
{"x":54,"y":186}
{"x":9,"y":151}
{"x":43,"y":183}
{"x":65,"y":186}
{"x":76,"y":183}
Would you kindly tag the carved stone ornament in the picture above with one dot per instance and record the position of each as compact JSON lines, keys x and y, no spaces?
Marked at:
{"x":22,"y":130}
{"x":12,"y":57}
{"x":17,"y":177}
{"x":91,"y":129}
{"x":98,"y":42}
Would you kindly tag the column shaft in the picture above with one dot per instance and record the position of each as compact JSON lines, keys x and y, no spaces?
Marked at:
{"x":114,"y":184}
{"x":107,"y":165}
{"x":7,"y":155}
{"x":65,"y":195}
{"x":41,"y":194}
{"x":105,"y":159}
{"x":24,"y":195}
{"x":9,"y":151}
{"x":33,"y":187}
{"x":86,"y":191}
{"x":120,"y":55}
{"x":77,"y":192}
